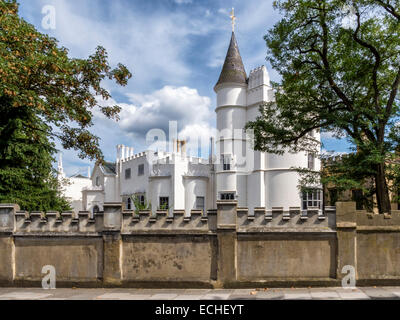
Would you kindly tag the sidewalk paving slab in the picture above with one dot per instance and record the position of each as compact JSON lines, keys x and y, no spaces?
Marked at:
{"x":164,"y":296}
{"x":379,"y":293}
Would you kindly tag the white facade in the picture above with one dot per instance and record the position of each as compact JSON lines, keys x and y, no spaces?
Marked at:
{"x":72,"y":187}
{"x":180,"y":182}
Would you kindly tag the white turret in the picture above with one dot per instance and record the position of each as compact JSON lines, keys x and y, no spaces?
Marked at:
{"x":255,"y":179}
{"x":231,"y":90}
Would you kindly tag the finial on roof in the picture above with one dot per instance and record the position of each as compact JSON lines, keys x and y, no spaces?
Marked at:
{"x":233,"y":18}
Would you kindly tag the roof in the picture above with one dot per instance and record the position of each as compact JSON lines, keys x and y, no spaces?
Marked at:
{"x":109,"y":168}
{"x":79,"y":176}
{"x":233,"y":70}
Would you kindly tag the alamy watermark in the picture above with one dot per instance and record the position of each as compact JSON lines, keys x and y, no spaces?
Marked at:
{"x":237,"y":144}
{"x":349,"y":280}
{"x":49,"y":20}
{"x":49,"y":280}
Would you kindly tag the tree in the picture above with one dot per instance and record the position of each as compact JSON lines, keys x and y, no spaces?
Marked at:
{"x":340,"y":69}
{"x":45,"y":95}
{"x":26,"y":173}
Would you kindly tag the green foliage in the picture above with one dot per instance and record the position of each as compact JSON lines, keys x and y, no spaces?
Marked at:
{"x":140,"y":206}
{"x":341,"y":79}
{"x":45,"y":95}
{"x":26,"y":174}
{"x":38,"y":75}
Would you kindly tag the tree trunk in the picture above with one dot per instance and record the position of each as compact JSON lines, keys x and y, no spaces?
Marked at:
{"x":382,"y":190}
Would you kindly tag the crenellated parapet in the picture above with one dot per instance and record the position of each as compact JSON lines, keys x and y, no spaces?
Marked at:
{"x":146,"y":222}
{"x":280,"y":220}
{"x":228,"y":215}
{"x":62,"y":223}
{"x":258,"y":77}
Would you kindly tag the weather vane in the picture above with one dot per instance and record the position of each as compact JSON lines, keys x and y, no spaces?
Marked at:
{"x":233,"y":18}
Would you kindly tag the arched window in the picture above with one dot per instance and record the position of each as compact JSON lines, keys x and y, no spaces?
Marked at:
{"x":129,"y":204}
{"x":311,"y":161}
{"x":97,"y":181}
{"x":95,"y":210}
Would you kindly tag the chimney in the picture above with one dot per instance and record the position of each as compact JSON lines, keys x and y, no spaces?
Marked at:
{"x":211,"y":155}
{"x":122,"y":152}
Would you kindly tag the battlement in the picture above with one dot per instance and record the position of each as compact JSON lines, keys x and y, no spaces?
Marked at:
{"x":293,"y":219}
{"x":258,"y":246}
{"x":145,"y":222}
{"x":57,"y":223}
{"x":258,"y":77}
{"x":129,"y":221}
{"x":135,"y":157}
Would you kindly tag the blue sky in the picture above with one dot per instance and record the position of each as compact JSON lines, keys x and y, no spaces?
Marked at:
{"x":175,"y":50}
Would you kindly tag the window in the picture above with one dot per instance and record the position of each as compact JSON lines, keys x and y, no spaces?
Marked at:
{"x":95,"y":210}
{"x":98,"y":181}
{"x":164,"y":203}
{"x":311,"y":161}
{"x":141,"y":199}
{"x":129,"y":204}
{"x":226,"y":160}
{"x":127,"y":174}
{"x":141,"y":170}
{"x":312,"y":199}
{"x":200,"y":203}
{"x":228,"y":196}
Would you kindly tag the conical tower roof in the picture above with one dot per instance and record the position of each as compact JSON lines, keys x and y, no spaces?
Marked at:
{"x":233,"y":69}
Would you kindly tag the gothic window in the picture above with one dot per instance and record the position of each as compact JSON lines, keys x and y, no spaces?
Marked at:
{"x":95,"y":210}
{"x":142,"y":199}
{"x":129,"y":204}
{"x":228,"y":196}
{"x":200,"y":203}
{"x":311,"y":161}
{"x":97,"y":181}
{"x":226,"y":161}
{"x":312,"y":199}
{"x":164,"y":203}
{"x":127,"y":174}
{"x":141,"y":170}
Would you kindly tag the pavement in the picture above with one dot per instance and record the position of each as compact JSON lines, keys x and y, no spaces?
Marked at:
{"x":359,"y":293}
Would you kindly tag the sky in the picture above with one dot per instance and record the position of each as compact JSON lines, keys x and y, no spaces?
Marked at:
{"x":175,"y":50}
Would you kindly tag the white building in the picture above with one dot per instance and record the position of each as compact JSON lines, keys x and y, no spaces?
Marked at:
{"x":183,"y":183}
{"x":72,"y":186}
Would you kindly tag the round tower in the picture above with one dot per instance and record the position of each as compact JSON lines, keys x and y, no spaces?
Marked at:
{"x":231,"y":90}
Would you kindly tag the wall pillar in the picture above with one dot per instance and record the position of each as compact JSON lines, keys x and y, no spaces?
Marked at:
{"x":7,"y":225}
{"x":112,"y":242}
{"x":346,"y":225}
{"x":227,"y":241}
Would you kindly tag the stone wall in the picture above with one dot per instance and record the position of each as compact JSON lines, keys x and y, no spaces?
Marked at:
{"x":227,"y":247}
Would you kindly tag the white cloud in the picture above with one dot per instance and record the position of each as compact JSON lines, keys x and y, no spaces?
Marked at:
{"x":159,"y":46}
{"x":186,"y":106}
